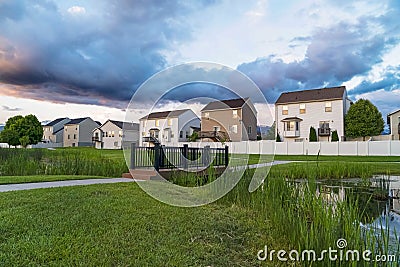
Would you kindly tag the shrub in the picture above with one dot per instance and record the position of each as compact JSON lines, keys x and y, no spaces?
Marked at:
{"x":335,"y":137}
{"x":313,"y":135}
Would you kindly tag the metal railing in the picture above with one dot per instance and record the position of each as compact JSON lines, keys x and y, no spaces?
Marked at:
{"x":217,"y":135}
{"x":162,"y":157}
{"x":324,"y":131}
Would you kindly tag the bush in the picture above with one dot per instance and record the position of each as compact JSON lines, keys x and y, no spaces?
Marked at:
{"x":335,"y":137}
{"x":313,"y":135}
{"x":278,"y":138}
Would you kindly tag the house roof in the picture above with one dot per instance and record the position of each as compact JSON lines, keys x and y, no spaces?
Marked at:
{"x":77,"y":121}
{"x":125,"y":125}
{"x":164,"y":114}
{"x":312,"y":95}
{"x":54,"y":122}
{"x":226,"y":104}
{"x":393,"y":112}
{"x":292,"y":119}
{"x":59,"y":130}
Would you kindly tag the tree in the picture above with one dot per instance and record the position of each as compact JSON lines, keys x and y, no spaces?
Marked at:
{"x":335,"y":136}
{"x":271,"y":132}
{"x":10,"y":137}
{"x":313,"y":135}
{"x":193,"y":137}
{"x":18,"y":126}
{"x":363,"y":119}
{"x":24,"y":141}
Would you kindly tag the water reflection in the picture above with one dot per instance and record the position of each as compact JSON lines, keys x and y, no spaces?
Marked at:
{"x":378,"y":198}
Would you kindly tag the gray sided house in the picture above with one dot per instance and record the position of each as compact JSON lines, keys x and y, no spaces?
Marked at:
{"x":78,"y":132}
{"x":53,"y":131}
{"x":115,"y":135}
{"x":393,"y":120}
{"x":323,"y":109}
{"x":229,"y":120}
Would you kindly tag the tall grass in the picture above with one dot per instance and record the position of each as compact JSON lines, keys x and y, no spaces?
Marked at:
{"x":306,"y":220}
{"x":20,"y":162}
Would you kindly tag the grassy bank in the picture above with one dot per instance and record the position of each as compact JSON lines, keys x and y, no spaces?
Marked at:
{"x":22,"y":162}
{"x":119,"y":225}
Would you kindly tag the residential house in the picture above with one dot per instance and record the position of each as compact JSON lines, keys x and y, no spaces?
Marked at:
{"x":393,"y":120}
{"x":167,"y":127}
{"x":324,"y":109}
{"x":229,"y":120}
{"x":78,"y":132}
{"x":53,"y":131}
{"x":115,"y":134}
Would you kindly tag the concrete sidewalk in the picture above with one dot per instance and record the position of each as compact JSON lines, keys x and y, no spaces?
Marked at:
{"x":28,"y":186}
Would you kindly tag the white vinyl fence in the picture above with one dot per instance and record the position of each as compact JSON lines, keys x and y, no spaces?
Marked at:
{"x":354,"y":148}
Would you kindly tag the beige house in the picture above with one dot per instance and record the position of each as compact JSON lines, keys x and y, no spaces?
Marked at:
{"x":115,"y":134}
{"x":53,"y":131}
{"x":167,"y":127}
{"x":393,"y":120}
{"x":78,"y":132}
{"x":229,"y":120}
{"x":324,"y":109}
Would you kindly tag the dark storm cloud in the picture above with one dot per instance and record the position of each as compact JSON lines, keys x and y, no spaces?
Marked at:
{"x":103,"y":53}
{"x":389,"y":81}
{"x":334,"y":55}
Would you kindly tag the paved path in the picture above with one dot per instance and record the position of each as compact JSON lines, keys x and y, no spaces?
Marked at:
{"x":28,"y":186}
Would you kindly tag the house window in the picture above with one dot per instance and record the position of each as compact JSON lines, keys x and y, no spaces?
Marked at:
{"x":112,"y":134}
{"x":235,"y":113}
{"x":187,"y":134}
{"x":285,"y":110}
{"x":328,"y":106}
{"x":207,"y":114}
{"x":157,"y":123}
{"x":169,"y":122}
{"x":69,"y":137}
{"x":74,"y":136}
{"x":302,"y":108}
{"x":116,"y":144}
{"x":143,"y":133}
{"x":181,"y":134}
{"x":291,"y":126}
{"x":120,"y":133}
{"x":249,"y":130}
{"x":217,"y":129}
{"x":233,"y":128}
{"x":324,"y":124}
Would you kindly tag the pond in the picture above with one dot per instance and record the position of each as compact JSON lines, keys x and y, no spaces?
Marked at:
{"x":378,"y":197}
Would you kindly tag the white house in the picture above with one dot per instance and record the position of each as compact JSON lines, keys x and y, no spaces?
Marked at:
{"x":78,"y":132}
{"x":114,"y":134}
{"x":324,"y":109}
{"x":393,"y":120}
{"x":53,"y":131}
{"x":167,"y":127}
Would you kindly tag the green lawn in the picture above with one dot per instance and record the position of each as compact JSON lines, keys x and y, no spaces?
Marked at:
{"x":42,"y":178}
{"x":119,"y":225}
{"x":338,"y":158}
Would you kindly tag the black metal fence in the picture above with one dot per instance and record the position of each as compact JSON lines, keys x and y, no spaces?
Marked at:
{"x":162,"y":157}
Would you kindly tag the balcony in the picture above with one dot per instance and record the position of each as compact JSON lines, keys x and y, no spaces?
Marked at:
{"x":324,"y":131}
{"x":151,"y":139}
{"x":96,"y":139}
{"x":291,"y":133}
{"x":215,"y":135}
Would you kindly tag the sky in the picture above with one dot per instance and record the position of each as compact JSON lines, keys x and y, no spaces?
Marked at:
{"x":87,"y":58}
